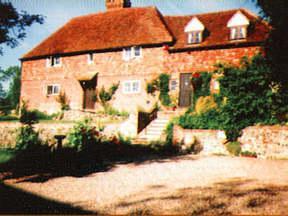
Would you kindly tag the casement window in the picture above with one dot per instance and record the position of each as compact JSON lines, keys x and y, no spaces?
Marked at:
{"x":195,"y":37}
{"x":90,"y":58}
{"x":173,"y":85}
{"x":131,"y":87}
{"x":132,"y":52}
{"x":239,"y":32}
{"x":53,"y":89}
{"x":54,"y":61}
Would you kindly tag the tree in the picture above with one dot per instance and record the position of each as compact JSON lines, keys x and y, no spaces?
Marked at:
{"x":277,"y":45}
{"x":13,"y":94}
{"x":13,"y":24}
{"x":12,"y":76}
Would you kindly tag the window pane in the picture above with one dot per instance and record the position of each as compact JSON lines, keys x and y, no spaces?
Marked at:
{"x":135,"y":87}
{"x":137,"y":51}
{"x":127,"y":87}
{"x":56,"y":89}
{"x":173,"y":85}
{"x":49,"y":90}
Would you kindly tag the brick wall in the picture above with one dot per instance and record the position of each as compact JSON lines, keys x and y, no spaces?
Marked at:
{"x":111,"y":69}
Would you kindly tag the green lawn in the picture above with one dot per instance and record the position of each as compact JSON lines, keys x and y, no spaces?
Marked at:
{"x":6,"y":155}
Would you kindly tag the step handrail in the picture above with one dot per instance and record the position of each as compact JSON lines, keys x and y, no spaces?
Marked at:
{"x":145,"y":118}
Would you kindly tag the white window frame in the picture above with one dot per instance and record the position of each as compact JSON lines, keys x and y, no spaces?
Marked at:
{"x":173,"y":87}
{"x":235,"y":32}
{"x":128,"y":88}
{"x":90,"y":58}
{"x":54,"y":86}
{"x":194,"y":37}
{"x":129,"y":53}
{"x":50,"y":60}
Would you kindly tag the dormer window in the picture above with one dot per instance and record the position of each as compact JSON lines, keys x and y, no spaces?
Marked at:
{"x":194,"y":30}
{"x":194,"y":37}
{"x":239,"y":32}
{"x":238,"y":25}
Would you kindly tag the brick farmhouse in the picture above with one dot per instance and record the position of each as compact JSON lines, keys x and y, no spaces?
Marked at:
{"x":132,"y":46}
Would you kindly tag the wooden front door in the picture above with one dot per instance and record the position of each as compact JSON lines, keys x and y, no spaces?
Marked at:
{"x":89,"y":98}
{"x":185,"y":97}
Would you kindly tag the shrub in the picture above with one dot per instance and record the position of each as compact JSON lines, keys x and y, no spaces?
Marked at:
{"x":109,"y":110}
{"x":8,"y":118}
{"x":249,"y":154}
{"x":106,"y":96}
{"x":27,"y":138}
{"x":164,"y":89}
{"x":63,"y":100}
{"x":83,"y":135}
{"x":234,"y":148}
{"x":204,"y":104}
{"x":201,"y":84}
{"x":26,"y":116}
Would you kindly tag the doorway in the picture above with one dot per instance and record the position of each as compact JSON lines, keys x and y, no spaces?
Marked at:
{"x":186,"y":90}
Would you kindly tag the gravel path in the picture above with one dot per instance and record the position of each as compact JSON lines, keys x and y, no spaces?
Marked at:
{"x":109,"y":191}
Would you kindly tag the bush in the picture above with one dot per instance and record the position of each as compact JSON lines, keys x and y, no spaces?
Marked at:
{"x":8,"y":118}
{"x":109,"y":110}
{"x":27,"y":138}
{"x":204,"y":104}
{"x":234,"y":148}
{"x":106,"y":96}
{"x":83,"y":135}
{"x":63,"y":100}
{"x":249,"y":154}
{"x":201,"y":84}
{"x":164,"y":89}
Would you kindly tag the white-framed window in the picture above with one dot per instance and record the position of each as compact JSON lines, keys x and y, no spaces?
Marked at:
{"x":90,"y":58}
{"x":238,"y":32}
{"x":132,"y":52}
{"x":53,"y":61}
{"x":195,"y":37}
{"x":53,"y":89}
{"x":173,"y":85}
{"x":131,"y":86}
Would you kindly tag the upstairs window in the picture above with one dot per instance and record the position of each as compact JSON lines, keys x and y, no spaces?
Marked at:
{"x":195,"y":37}
{"x":90,"y":58}
{"x":132,"y":52}
{"x":131,"y":87}
{"x":238,"y":32}
{"x":54,"y":61}
{"x":238,"y":25}
{"x":53,"y":89}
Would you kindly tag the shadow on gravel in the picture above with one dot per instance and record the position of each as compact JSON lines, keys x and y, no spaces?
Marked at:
{"x":234,"y":197}
{"x":16,"y":201}
{"x":40,"y":165}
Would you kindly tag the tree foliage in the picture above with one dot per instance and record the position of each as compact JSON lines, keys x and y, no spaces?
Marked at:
{"x":13,"y":24}
{"x":277,"y":45}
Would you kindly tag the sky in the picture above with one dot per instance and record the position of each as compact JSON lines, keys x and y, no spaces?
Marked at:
{"x":58,"y":12}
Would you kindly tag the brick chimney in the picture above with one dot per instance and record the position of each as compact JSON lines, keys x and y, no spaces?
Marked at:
{"x":116,"y":4}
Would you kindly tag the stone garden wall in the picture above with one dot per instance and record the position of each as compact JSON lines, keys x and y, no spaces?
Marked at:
{"x":265,"y":141}
{"x":8,"y":132}
{"x":211,"y":141}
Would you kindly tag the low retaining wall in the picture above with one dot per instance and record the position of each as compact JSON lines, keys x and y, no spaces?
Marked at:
{"x":47,"y":131}
{"x":266,"y":141}
{"x":212,"y":141}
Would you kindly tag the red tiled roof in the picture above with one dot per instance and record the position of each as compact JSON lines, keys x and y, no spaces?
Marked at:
{"x":217,"y":33}
{"x":112,"y":29}
{"x":142,"y":26}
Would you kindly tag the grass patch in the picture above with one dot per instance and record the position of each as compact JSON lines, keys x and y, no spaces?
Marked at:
{"x":8,"y":118}
{"x":234,"y":148}
{"x":6,"y":155}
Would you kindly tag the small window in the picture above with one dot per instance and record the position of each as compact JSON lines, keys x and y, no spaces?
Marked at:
{"x":238,"y":32}
{"x":54,"y":61}
{"x":53,"y":89}
{"x":137,"y":51}
{"x":131,"y":87}
{"x":132,"y":52}
{"x":90,"y":58}
{"x":173,"y":85}
{"x":127,"y":53}
{"x":194,"y":37}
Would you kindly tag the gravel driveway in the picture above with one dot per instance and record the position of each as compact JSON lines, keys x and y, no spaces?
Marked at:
{"x":186,"y":184}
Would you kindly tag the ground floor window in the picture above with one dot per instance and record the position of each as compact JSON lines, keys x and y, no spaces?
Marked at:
{"x":53,"y":89}
{"x":173,"y":85}
{"x":131,"y":86}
